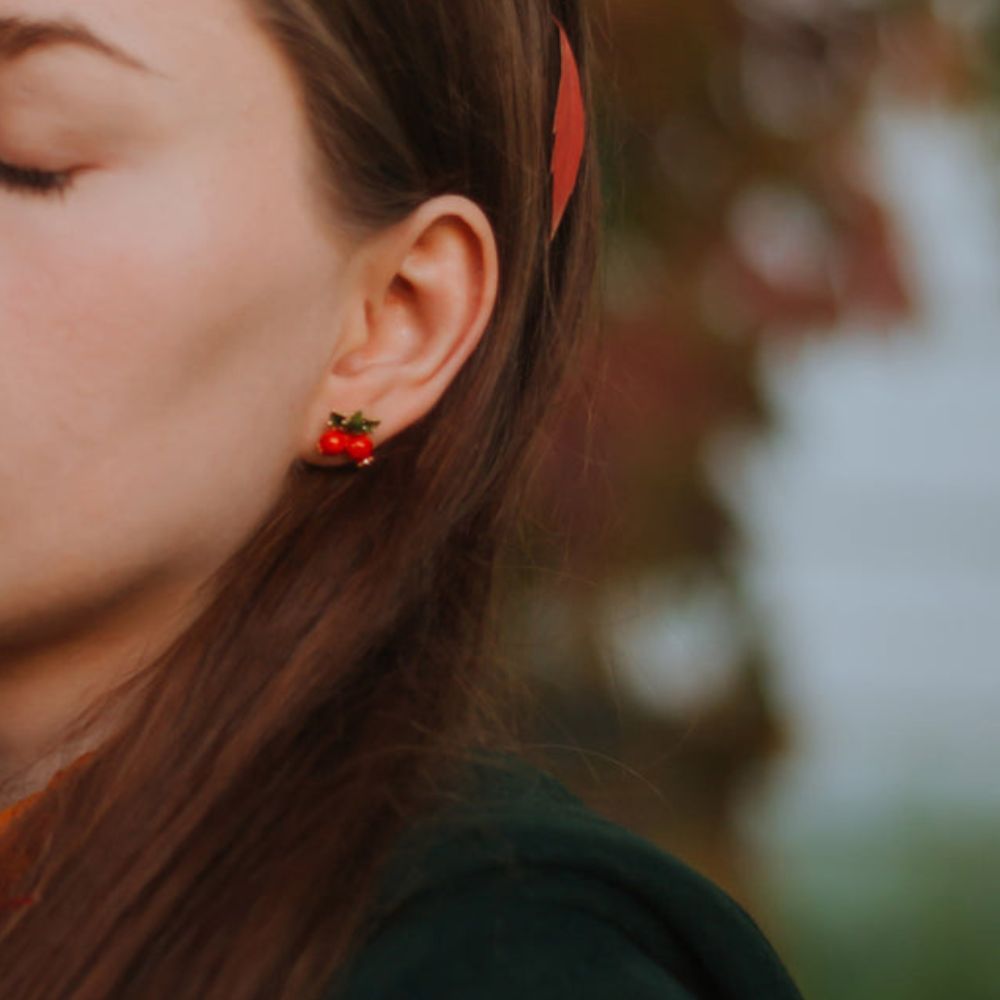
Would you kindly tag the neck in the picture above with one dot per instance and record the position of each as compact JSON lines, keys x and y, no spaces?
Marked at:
{"x":46,"y":687}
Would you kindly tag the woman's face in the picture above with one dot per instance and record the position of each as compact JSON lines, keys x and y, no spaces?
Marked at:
{"x":164,"y":319}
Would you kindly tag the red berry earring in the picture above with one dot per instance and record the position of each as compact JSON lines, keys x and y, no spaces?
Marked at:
{"x":349,"y":435}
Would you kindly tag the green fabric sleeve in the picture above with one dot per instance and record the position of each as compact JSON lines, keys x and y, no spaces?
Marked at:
{"x":495,"y":939}
{"x":520,"y":891}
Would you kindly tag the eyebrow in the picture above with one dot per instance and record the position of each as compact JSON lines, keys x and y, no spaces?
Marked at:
{"x":19,"y":35}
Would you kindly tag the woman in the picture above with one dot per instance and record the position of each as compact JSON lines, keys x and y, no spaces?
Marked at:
{"x":287,"y":288}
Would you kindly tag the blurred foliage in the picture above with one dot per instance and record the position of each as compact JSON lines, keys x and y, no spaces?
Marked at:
{"x":739,"y":210}
{"x":905,"y":911}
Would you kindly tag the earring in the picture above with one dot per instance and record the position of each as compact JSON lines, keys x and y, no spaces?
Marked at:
{"x":349,"y":435}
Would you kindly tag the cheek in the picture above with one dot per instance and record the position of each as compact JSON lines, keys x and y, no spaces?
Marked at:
{"x":148,"y":334}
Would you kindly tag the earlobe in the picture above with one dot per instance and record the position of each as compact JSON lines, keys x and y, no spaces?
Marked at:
{"x":426,"y":295}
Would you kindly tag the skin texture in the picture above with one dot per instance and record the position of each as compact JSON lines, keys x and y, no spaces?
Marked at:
{"x":164,"y":358}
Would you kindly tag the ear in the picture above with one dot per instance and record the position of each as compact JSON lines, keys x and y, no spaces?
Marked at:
{"x":415,"y":301}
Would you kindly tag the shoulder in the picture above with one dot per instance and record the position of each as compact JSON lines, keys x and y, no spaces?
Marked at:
{"x":521,"y":887}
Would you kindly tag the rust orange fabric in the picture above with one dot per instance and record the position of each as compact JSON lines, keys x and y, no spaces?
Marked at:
{"x":14,"y":865}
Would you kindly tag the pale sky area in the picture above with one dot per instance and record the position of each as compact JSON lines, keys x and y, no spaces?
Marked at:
{"x":873,"y":518}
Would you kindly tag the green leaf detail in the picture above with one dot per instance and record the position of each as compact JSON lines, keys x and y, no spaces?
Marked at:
{"x":355,"y":424}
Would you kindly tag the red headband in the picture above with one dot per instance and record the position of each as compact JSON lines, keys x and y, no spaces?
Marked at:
{"x":568,"y":128}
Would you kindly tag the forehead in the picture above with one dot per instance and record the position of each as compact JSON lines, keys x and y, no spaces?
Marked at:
{"x":179,"y":39}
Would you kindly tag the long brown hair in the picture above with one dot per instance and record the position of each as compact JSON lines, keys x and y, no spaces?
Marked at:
{"x":225,"y":841}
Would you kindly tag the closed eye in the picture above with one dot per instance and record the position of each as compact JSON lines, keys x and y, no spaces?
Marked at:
{"x":32,"y":181}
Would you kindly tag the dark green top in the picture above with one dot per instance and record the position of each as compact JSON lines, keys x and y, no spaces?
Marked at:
{"x":521,"y":892}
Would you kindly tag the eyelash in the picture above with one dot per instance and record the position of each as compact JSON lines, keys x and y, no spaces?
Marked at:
{"x":30,"y":180}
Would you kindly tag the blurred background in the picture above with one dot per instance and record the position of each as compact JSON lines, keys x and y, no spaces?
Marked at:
{"x":757,"y":601}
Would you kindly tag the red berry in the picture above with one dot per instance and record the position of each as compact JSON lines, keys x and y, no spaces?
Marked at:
{"x":333,"y":442}
{"x":359,"y":446}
